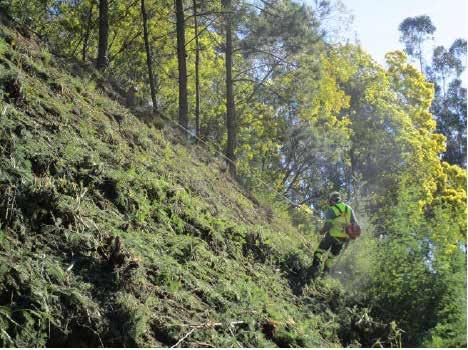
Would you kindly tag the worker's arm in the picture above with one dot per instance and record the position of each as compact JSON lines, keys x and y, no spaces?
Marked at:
{"x":329,"y":215}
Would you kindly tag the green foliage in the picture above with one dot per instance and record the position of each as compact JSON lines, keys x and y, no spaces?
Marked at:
{"x":105,"y":218}
{"x":410,"y":279}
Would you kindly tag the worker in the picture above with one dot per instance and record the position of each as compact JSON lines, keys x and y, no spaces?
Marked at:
{"x":338,"y":218}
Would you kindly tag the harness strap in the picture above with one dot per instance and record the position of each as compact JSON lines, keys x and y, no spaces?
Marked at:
{"x":345,"y":212}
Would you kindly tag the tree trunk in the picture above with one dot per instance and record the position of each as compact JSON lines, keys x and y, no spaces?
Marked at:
{"x":84,"y":52}
{"x":420,"y":57}
{"x":102,"y":58}
{"x":443,"y":85}
{"x":230,"y":106}
{"x":197,"y":73}
{"x":149,"y":58}
{"x":183,"y":105}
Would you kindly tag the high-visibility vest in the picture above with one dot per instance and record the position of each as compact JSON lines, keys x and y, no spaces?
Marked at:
{"x":341,"y":220}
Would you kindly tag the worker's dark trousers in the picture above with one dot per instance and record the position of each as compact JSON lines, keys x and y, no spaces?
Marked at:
{"x":328,"y":242}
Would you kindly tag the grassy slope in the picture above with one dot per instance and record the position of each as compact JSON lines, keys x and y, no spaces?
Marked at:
{"x":76,"y":170}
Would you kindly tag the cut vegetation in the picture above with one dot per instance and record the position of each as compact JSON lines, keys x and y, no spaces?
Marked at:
{"x":114,"y":233}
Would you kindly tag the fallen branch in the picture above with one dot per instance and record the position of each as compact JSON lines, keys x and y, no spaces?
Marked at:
{"x":8,"y":336}
{"x":234,"y":336}
{"x":184,"y":337}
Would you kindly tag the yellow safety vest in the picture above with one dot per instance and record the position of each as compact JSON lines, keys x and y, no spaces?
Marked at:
{"x":341,"y":220}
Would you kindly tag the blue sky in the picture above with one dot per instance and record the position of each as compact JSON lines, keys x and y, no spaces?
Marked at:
{"x":375,"y":23}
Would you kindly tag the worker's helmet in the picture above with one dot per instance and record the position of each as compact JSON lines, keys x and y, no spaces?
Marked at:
{"x":334,"y":197}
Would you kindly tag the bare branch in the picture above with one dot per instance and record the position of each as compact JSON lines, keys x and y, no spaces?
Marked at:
{"x":205,"y":326}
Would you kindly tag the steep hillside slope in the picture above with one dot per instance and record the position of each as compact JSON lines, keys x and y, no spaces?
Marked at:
{"x":114,"y":233}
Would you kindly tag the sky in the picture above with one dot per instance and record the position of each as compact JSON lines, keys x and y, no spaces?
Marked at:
{"x":375,"y":23}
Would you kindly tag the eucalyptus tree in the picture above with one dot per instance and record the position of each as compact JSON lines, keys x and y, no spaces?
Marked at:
{"x":458,"y":52}
{"x":449,"y":105}
{"x":414,"y":32}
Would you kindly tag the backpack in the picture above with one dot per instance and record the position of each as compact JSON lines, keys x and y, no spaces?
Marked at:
{"x":353,"y":230}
